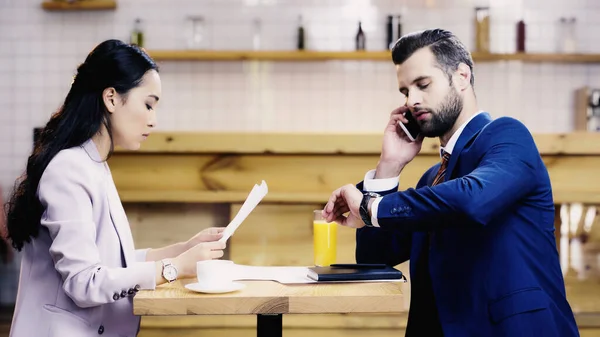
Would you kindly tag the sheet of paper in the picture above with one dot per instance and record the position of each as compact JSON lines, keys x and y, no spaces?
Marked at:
{"x":283,"y":274}
{"x":256,"y":195}
{"x":286,"y":275}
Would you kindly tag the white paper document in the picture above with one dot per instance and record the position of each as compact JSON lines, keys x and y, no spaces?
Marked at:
{"x":281,"y":274}
{"x":256,"y":195}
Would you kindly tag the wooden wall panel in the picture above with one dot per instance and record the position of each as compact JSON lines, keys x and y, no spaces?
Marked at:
{"x":298,"y":178}
{"x":283,"y":173}
{"x":158,"y":225}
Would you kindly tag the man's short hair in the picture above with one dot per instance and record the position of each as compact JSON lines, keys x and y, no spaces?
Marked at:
{"x":445,"y":46}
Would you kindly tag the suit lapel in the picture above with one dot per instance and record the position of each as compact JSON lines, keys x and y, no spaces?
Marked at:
{"x":470,"y":130}
{"x":117,"y":213}
{"x":119,"y":220}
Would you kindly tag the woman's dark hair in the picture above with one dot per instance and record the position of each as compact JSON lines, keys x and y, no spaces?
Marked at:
{"x":111,"y":64}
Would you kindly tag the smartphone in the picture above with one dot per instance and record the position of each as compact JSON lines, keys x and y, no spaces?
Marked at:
{"x":411,"y":129}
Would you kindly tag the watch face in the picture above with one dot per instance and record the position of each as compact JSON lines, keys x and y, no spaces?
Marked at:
{"x":170,"y":273}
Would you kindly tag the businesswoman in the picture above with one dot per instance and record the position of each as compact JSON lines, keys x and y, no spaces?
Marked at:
{"x":79,"y":267}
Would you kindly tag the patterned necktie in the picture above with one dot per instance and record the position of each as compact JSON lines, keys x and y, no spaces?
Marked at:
{"x":439,"y":177}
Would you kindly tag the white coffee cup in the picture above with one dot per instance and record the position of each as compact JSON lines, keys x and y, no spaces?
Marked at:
{"x":215,"y":272}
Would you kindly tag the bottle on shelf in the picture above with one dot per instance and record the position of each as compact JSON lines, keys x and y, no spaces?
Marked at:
{"x":398,"y":26}
{"x":390,"y":32}
{"x":257,"y":33}
{"x":394,"y":30}
{"x":360,"y":38}
{"x":137,"y":34}
{"x":521,"y":36}
{"x":567,"y":39}
{"x":570,"y":38}
{"x":482,"y":29}
{"x":300,"y":37}
{"x":196,"y":33}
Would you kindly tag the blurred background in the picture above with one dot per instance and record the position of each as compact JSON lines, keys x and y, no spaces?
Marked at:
{"x":297,"y":92}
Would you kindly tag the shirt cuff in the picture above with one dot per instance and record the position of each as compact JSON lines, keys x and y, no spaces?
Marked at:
{"x":370,"y":184}
{"x":140,"y":255}
{"x":374,"y":208}
{"x":147,"y":271}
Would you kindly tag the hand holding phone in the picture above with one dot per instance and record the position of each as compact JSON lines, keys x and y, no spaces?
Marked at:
{"x":412,"y":128}
{"x":401,"y":143}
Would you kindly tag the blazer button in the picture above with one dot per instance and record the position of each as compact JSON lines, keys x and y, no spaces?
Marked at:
{"x":101,"y":330}
{"x":130,"y":292}
{"x":136,"y":288}
{"x":116,"y":296}
{"x":123,"y":293}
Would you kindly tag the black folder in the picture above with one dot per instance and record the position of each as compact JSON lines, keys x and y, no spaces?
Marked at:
{"x":354,"y":272}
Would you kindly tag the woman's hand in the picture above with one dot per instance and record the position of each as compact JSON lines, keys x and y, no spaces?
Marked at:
{"x":207,"y":235}
{"x":212,"y":234}
{"x":186,"y":261}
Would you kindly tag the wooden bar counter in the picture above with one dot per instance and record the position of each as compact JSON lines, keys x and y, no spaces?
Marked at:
{"x":269,"y":300}
{"x":179,"y":183}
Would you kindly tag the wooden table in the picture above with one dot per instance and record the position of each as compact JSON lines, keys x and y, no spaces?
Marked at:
{"x":270,"y":300}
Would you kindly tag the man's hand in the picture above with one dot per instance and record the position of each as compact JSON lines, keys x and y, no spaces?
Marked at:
{"x":397,"y":150}
{"x":343,"y":200}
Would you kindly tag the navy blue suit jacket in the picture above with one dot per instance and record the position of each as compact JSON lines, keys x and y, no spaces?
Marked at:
{"x":493,"y":259}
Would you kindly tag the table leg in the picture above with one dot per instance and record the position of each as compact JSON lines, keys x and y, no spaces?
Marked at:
{"x":269,"y":325}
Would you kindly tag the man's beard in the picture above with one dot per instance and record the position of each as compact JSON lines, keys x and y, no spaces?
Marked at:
{"x":443,"y":119}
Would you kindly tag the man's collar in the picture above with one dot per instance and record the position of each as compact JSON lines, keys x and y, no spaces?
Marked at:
{"x":452,"y":141}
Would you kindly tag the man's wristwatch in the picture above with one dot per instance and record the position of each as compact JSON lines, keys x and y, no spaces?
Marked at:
{"x":364,"y":208}
{"x":169,"y":271}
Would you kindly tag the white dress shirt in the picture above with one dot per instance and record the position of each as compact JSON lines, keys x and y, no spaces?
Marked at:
{"x":370,"y":184}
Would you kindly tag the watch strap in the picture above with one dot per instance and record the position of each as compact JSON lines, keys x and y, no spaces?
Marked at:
{"x":364,"y":208}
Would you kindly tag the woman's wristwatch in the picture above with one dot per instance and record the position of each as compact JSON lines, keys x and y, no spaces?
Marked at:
{"x":169,"y":272}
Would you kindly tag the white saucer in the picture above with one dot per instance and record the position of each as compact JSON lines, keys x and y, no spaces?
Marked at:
{"x":215,"y":288}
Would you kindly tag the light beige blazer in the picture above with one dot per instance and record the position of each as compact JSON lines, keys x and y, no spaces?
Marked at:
{"x":79,"y":276}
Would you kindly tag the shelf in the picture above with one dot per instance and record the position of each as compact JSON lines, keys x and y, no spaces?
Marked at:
{"x":550,"y":57}
{"x":234,"y":55}
{"x":79,"y":5}
{"x":240,"y":55}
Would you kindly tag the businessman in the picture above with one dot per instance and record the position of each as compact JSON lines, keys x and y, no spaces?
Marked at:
{"x":478,"y":228}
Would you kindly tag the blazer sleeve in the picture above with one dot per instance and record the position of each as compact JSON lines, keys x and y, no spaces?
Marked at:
{"x":65,"y":191}
{"x":378,"y":245}
{"x":508,"y":170}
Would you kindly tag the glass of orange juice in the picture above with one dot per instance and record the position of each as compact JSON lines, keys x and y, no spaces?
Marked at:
{"x":324,"y":240}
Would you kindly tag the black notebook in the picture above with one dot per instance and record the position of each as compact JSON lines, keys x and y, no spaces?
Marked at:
{"x":354,"y":272}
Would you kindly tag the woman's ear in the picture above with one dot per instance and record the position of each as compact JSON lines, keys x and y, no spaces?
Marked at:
{"x":462,"y":76}
{"x":109,"y":96}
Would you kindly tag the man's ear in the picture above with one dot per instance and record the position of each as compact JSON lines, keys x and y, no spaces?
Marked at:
{"x":462,"y":76}
{"x":109,"y":96}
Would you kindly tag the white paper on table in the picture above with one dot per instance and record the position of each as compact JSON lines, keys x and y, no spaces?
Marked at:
{"x":283,"y":274}
{"x":256,"y":195}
